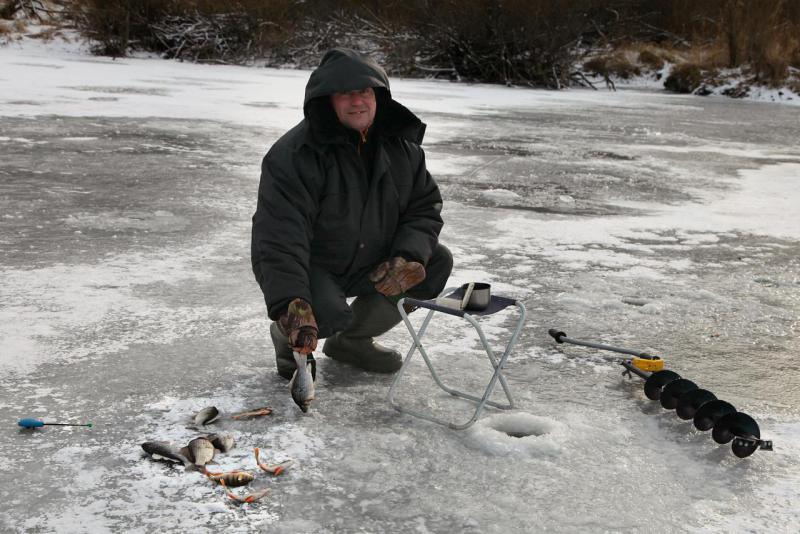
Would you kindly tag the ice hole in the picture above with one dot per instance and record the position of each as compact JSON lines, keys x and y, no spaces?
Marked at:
{"x":521,"y":425}
{"x":519,"y":432}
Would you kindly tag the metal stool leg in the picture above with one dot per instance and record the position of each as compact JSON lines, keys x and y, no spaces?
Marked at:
{"x":497,"y":365}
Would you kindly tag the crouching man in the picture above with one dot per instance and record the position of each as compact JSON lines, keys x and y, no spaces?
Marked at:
{"x":346,"y":208}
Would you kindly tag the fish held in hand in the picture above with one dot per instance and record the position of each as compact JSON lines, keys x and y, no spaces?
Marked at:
{"x":206,"y":416}
{"x":164,"y":450}
{"x":302,"y":384}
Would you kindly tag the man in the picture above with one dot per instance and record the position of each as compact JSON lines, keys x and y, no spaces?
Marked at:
{"x":346,"y":208}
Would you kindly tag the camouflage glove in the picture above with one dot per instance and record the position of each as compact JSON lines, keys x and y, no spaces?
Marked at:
{"x":299,"y":325}
{"x":396,"y":276}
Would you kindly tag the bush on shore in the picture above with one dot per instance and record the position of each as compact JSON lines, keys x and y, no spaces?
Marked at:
{"x":685,"y":78}
{"x":531,"y":42}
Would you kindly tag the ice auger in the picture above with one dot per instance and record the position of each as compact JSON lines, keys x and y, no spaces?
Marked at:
{"x":686,"y":398}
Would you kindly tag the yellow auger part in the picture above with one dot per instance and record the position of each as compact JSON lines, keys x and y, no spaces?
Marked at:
{"x":648,"y":364}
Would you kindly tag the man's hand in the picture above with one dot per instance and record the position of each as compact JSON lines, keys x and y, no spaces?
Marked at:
{"x":299,"y":325}
{"x":397,"y":276}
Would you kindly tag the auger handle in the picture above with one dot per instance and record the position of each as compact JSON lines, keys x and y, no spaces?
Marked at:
{"x":557,"y":335}
{"x":561,"y":337}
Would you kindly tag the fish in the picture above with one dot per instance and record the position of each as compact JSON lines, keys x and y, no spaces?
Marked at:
{"x":258,"y":412}
{"x":164,"y":450}
{"x":276,"y":469}
{"x":206,"y":416}
{"x":302,"y":383}
{"x":200,"y":451}
{"x":221,"y":442}
{"x":232,"y":479}
{"x":253,"y":497}
{"x":273,"y":469}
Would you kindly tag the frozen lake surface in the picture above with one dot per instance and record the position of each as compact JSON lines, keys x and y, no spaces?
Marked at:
{"x":658,"y":222}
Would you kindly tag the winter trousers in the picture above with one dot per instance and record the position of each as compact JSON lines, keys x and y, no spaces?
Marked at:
{"x":329,"y":292}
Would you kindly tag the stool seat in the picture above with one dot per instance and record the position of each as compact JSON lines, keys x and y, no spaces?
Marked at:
{"x":449,"y":303}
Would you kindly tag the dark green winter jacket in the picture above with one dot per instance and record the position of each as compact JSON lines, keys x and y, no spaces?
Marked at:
{"x":317,"y":205}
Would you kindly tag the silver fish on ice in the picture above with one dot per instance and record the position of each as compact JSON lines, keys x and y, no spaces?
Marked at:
{"x":221,"y":442}
{"x":302,"y":383}
{"x":164,"y":450}
{"x":206,"y":416}
{"x":200,"y":451}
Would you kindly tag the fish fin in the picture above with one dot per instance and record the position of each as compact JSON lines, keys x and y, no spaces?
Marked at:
{"x":313,"y":363}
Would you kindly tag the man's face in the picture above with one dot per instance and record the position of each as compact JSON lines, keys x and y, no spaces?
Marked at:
{"x":355,"y":109}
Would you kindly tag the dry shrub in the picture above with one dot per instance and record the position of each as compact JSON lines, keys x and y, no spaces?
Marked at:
{"x":531,"y":42}
{"x":710,"y":56}
{"x":684,"y":78}
{"x":617,"y":64}
{"x":763,"y":34}
{"x":650,"y":59}
{"x":193,"y":29}
{"x":596,"y":65}
{"x":5,"y":28}
{"x":47,"y":34}
{"x":534,"y":42}
{"x":648,"y":54}
{"x":771,"y":65}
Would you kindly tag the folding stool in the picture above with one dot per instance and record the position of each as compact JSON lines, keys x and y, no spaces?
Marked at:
{"x":496,"y":304}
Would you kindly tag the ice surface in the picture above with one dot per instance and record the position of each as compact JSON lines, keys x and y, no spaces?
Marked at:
{"x":660,"y":222}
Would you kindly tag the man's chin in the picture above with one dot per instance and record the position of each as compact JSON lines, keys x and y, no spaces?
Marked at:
{"x":359,"y":126}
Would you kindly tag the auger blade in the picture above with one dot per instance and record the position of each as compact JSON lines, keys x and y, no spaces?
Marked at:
{"x":656,"y":381}
{"x":734,"y":424}
{"x":708,"y":414}
{"x":674,"y":390}
{"x":690,"y":402}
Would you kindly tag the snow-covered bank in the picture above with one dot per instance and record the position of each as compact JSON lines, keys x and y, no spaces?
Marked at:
{"x":733,"y":84}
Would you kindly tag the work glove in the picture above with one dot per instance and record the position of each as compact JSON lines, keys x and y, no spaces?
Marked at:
{"x":299,"y":325}
{"x":397,"y":276}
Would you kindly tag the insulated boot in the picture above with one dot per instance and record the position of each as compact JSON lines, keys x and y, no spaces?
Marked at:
{"x":373,"y":316}
{"x":284,"y":358}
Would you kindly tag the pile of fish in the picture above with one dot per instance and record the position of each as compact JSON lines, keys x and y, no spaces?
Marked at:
{"x":200,"y":452}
